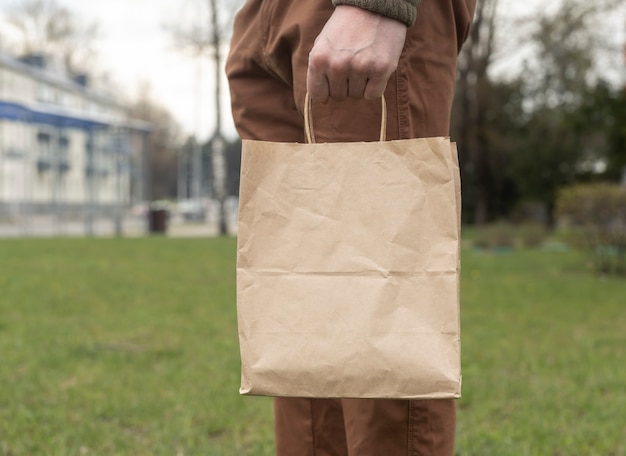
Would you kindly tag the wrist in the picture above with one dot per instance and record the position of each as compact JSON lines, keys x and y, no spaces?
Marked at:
{"x":401,"y":10}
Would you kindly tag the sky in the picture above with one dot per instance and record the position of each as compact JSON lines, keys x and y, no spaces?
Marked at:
{"x":135,"y":49}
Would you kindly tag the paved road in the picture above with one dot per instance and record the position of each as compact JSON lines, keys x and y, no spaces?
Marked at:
{"x":48,"y":226}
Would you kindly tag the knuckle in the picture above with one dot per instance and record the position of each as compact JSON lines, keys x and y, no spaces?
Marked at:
{"x":381,"y":68}
{"x":316,"y":61}
{"x":337,"y":66}
{"x":360,"y":67}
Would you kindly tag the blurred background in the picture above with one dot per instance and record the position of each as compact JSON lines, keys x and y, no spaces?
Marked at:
{"x":115,"y":125}
{"x":112,"y":111}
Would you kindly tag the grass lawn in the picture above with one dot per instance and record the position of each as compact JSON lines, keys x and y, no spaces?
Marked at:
{"x":129,"y":347}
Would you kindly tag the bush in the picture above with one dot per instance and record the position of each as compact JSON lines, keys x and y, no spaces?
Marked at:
{"x":495,"y":236}
{"x":594,"y":217}
{"x":504,"y":235}
{"x":532,"y":235}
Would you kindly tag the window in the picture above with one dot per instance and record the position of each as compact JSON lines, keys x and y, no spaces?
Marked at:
{"x":44,"y":151}
{"x":64,"y":153}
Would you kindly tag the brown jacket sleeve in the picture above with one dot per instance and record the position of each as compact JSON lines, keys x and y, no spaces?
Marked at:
{"x":402,"y":10}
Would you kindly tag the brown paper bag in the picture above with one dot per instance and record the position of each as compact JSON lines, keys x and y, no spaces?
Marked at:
{"x":348,"y":269}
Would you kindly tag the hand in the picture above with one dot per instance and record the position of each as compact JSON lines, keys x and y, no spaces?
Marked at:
{"x":354,"y":55}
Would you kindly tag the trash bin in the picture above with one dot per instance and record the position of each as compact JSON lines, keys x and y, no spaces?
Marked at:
{"x":157,"y":221}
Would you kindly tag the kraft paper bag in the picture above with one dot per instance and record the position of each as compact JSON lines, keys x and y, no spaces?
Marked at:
{"x":348,"y":269}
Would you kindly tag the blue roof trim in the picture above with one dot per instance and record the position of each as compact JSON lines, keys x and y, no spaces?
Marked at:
{"x":14,"y":111}
{"x":19,"y":112}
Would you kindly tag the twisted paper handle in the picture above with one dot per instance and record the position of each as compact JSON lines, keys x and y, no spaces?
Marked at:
{"x":308,"y":120}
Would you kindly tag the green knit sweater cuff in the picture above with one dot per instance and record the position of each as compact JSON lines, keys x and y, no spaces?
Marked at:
{"x":401,"y":10}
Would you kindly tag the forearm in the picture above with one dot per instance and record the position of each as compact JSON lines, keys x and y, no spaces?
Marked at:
{"x":401,"y":10}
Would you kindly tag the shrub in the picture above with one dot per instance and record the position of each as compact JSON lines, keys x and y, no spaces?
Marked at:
{"x":504,"y":235}
{"x":532,"y":235}
{"x":495,"y":236}
{"x":594,"y":217}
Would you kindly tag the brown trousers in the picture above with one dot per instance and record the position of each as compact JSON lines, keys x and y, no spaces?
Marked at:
{"x":266,"y":69}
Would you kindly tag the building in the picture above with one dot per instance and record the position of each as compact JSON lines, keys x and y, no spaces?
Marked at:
{"x":65,"y":148}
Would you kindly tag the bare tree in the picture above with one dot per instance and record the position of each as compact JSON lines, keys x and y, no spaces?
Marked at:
{"x":516,"y":122}
{"x":569,"y":45}
{"x":473,"y":91}
{"x":48,"y":28}
{"x":205,"y":34}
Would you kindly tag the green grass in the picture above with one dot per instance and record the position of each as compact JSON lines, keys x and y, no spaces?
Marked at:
{"x":123,"y":347}
{"x":544,"y":351}
{"x":129,"y":347}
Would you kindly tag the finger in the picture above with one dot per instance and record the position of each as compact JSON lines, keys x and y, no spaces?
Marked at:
{"x":317,"y":84}
{"x":375,"y":87}
{"x":338,"y":86}
{"x":356,"y":87}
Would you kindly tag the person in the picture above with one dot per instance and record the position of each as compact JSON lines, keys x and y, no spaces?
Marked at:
{"x":346,"y":54}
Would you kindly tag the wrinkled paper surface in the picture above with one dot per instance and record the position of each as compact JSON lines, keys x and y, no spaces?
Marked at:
{"x":348,"y":269}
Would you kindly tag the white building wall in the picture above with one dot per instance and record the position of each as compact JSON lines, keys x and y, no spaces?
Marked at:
{"x":52,"y":165}
{"x":15,"y":161}
{"x":75,"y":176}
